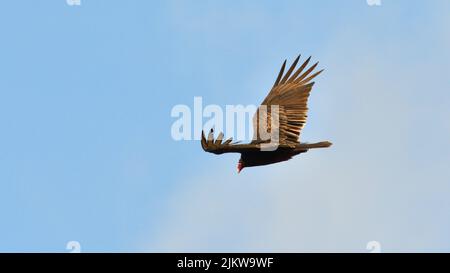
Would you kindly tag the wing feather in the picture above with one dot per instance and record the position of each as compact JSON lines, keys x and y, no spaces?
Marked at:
{"x":277,"y":81}
{"x":289,"y":72}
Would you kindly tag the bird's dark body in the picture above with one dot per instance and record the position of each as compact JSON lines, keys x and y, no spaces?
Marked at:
{"x":260,"y":158}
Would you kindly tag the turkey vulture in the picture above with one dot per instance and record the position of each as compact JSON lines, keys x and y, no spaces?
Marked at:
{"x":289,"y":95}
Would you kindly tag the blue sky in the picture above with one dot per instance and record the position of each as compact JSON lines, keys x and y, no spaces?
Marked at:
{"x":86,"y":152}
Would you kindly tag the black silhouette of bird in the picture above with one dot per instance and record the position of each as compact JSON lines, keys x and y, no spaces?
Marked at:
{"x":289,"y":97}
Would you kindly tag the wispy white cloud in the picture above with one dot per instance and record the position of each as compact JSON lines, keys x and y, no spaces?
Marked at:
{"x":385,"y":179}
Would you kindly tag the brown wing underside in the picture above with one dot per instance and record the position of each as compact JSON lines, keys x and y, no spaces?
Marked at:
{"x":290,"y":94}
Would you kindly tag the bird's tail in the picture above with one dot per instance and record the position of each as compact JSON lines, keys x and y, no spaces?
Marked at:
{"x":306,"y":146}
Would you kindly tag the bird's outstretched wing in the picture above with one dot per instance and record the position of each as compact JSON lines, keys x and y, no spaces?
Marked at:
{"x":219,"y":146}
{"x":290,"y":93}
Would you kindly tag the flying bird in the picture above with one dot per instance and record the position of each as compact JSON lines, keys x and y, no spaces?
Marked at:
{"x":289,"y":97}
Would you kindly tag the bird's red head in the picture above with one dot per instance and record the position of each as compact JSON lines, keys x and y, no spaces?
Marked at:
{"x":240,"y":166}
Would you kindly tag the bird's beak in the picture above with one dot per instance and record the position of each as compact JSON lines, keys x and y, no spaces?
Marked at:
{"x":239,"y":167}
